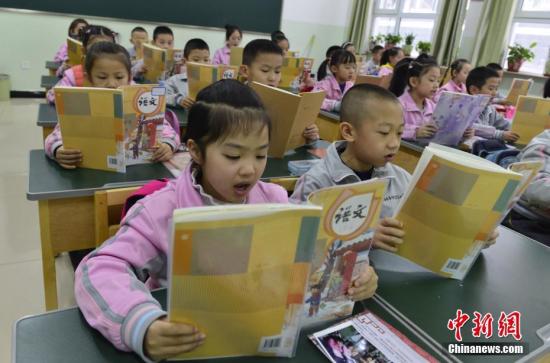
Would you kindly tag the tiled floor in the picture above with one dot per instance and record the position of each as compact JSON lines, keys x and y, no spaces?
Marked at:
{"x":20,"y":259}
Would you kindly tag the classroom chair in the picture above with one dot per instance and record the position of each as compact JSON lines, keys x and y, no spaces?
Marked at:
{"x":107,"y":211}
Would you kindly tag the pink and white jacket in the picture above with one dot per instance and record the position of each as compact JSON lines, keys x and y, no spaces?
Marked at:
{"x":413,"y":116}
{"x":62,"y":54}
{"x":333,"y":92}
{"x":222,"y":55}
{"x":68,"y":80}
{"x":450,"y":86}
{"x":385,"y":70}
{"x":112,"y":283}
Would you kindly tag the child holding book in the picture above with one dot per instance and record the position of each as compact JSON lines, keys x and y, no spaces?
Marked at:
{"x":459,"y":69}
{"x":389,"y":59}
{"x":228,"y":138}
{"x":75,"y":28}
{"x":373,"y":65}
{"x":490,"y":124}
{"x":342,"y":67}
{"x":233,"y":37}
{"x":107,"y":66}
{"x":262,"y":63}
{"x":177,"y":89}
{"x":74,"y":76}
{"x":138,"y":37}
{"x":323,"y":69}
{"x":163,"y":37}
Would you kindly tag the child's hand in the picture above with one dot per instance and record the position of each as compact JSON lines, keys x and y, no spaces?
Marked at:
{"x":162,"y":153}
{"x":388,"y":234}
{"x":426,"y":131}
{"x":164,"y":339}
{"x":311,"y":133}
{"x":510,"y":136}
{"x":491,"y":240}
{"x":68,"y":158}
{"x":187,"y":102}
{"x":364,"y":286}
{"x":470,"y":132}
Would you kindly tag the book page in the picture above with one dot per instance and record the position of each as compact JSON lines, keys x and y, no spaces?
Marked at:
{"x":520,"y":87}
{"x":201,"y":75}
{"x":532,"y":117}
{"x":75,"y":51}
{"x":154,"y":59}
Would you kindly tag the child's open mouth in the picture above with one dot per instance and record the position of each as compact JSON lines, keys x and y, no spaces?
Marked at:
{"x":389,"y":157}
{"x":242,"y":189}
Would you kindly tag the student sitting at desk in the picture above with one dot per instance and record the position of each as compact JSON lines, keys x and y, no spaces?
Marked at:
{"x":107,"y":66}
{"x":233,"y":37}
{"x":75,"y":29}
{"x":228,"y":139}
{"x":373,"y":65}
{"x":74,"y":76}
{"x":459,"y":69}
{"x":282,"y":42}
{"x":262,"y":63}
{"x":342,"y":67}
{"x":490,"y":124}
{"x":323,"y":69}
{"x":389,"y":59}
{"x":177,"y":89}
{"x":163,"y":37}
{"x":138,"y":37}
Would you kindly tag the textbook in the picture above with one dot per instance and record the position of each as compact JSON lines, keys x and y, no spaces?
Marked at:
{"x":453,"y":203}
{"x":293,"y":72}
{"x":350,"y":214}
{"x":201,"y":75}
{"x":290,"y":114}
{"x":367,"y":338}
{"x":532,"y":117}
{"x":112,"y":127}
{"x":520,"y":87}
{"x":154,"y":60}
{"x":237,"y":281}
{"x":382,"y":81}
{"x":454,"y":113}
{"x":174,"y":62}
{"x":75,"y":51}
{"x":236,"y":56}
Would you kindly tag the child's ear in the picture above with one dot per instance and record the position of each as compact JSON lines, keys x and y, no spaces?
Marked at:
{"x":333,"y":68}
{"x":243,"y":71}
{"x":413,"y":81}
{"x":348,"y":131}
{"x":473,"y":90}
{"x":194,"y":151}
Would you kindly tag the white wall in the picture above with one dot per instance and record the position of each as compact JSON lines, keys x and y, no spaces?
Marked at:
{"x":29,"y":39}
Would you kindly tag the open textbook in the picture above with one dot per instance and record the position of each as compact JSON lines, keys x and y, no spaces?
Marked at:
{"x":520,"y":87}
{"x":290,"y":114}
{"x":367,"y":338}
{"x":112,"y":128}
{"x":160,"y":63}
{"x":200,"y":75}
{"x":532,"y":117}
{"x":454,"y":113}
{"x":454,"y":201}
{"x":239,"y":282}
{"x":236,"y":56}
{"x":75,"y":51}
{"x":350,"y":213}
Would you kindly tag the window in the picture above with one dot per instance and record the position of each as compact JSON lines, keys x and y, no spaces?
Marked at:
{"x":404,"y":17}
{"x":531,"y":24}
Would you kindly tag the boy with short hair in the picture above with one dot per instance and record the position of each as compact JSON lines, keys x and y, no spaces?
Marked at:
{"x":262,"y":63}
{"x":177,"y":89}
{"x":163,"y":37}
{"x":138,"y":37}
{"x":373,"y":64}
{"x":490,"y":124}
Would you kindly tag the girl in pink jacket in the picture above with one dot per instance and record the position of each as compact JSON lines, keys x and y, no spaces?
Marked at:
{"x":459,"y":69}
{"x":74,"y":32}
{"x":74,"y":76}
{"x":233,"y":37}
{"x":108,"y":66}
{"x":342,"y":67}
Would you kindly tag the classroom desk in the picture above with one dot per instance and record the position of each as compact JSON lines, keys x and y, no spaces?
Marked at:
{"x":66,"y":206}
{"x":495,"y":283}
{"x":328,"y":123}
{"x":48,"y":82}
{"x":52,"y":66}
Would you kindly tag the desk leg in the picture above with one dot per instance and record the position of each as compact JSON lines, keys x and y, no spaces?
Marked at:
{"x":48,"y":257}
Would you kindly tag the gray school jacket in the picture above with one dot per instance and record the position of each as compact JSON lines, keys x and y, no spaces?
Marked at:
{"x":332,"y":171}
{"x":490,"y":124}
{"x":176,"y":89}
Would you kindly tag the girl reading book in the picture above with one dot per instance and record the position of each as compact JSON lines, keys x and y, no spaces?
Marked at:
{"x":342,"y":67}
{"x":459,"y":69}
{"x":233,"y":37}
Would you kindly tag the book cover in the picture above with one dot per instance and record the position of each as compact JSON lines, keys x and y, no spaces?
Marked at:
{"x":75,"y":51}
{"x":237,"y":281}
{"x":174,"y":62}
{"x":350,"y":214}
{"x":293,"y":70}
{"x":290,"y":114}
{"x":520,"y":87}
{"x":154,"y":60}
{"x":91,"y":120}
{"x":236,"y":56}
{"x":454,"y":113}
{"x":143,"y":109}
{"x":454,"y":201}
{"x":532,"y":117}
{"x":201,"y":75}
{"x":368,"y":338}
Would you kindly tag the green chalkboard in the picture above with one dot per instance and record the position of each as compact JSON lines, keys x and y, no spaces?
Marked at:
{"x":261,"y":16}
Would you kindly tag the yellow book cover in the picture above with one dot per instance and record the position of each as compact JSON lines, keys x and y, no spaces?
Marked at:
{"x":293,"y":53}
{"x":293,"y":71}
{"x":238,"y":282}
{"x":532,"y":117}
{"x":201,"y":75}
{"x":91,"y":120}
{"x":350,"y":214}
{"x":143,"y":109}
{"x":454,"y":201}
{"x":154,"y":59}
{"x":236,"y":56}
{"x":520,"y":87}
{"x":75,"y":51}
{"x":290,"y":114}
